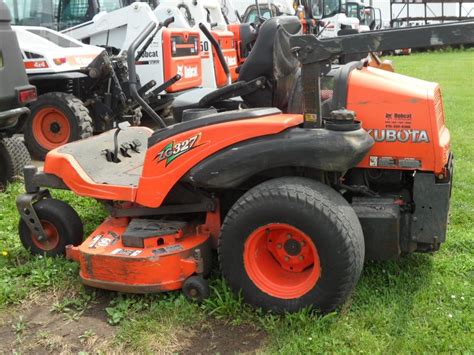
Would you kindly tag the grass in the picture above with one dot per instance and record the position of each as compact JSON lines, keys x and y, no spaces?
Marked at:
{"x":423,"y":303}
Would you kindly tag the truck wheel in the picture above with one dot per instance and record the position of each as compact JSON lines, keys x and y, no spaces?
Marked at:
{"x":62,"y":226}
{"x":290,"y":243}
{"x":56,"y":118}
{"x":13,"y":158}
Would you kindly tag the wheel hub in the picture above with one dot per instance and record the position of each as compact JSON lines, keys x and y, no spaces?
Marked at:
{"x":51,"y":128}
{"x":55,"y":127}
{"x":50,"y":239}
{"x":292,"y":247}
{"x":281,"y":260}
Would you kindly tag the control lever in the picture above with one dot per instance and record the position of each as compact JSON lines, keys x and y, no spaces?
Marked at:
{"x":112,"y":156}
{"x":163,"y":86}
{"x":148,"y":86}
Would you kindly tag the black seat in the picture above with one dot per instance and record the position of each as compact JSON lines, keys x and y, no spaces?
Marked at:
{"x":261,"y":60}
{"x":270,"y":59}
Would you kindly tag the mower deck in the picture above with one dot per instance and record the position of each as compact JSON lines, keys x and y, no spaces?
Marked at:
{"x":141,"y":256}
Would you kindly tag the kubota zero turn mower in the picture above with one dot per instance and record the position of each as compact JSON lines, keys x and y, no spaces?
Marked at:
{"x":15,"y":93}
{"x":293,"y":202}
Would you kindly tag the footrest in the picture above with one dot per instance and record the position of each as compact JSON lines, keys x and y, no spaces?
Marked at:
{"x":89,"y":155}
{"x":139,"y":230}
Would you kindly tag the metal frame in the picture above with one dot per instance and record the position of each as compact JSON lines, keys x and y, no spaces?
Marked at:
{"x":408,"y":4}
{"x":24,"y":204}
{"x":316,"y":54}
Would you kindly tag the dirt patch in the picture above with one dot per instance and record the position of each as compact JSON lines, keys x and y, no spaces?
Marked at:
{"x":36,"y":329}
{"x":213,"y":337}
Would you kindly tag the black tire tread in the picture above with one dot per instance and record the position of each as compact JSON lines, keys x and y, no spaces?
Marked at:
{"x":311,"y":194}
{"x":16,"y":157}
{"x":61,"y":215}
{"x":75,"y":105}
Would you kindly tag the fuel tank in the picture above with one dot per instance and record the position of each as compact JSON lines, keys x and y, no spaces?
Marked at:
{"x":405,"y":117}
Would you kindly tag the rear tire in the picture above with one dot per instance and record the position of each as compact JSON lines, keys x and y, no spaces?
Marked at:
{"x":13,"y":158}
{"x":290,"y":243}
{"x":56,"y":118}
{"x":61,"y":223}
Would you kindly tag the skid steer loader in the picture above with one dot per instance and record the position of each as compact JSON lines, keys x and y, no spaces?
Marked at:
{"x":72,"y":105}
{"x":295,"y":192}
{"x":15,"y":93}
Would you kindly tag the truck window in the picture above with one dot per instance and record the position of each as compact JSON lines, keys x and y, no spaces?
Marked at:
{"x":325,"y":8}
{"x":75,"y":12}
{"x":31,"y":13}
{"x":54,"y":38}
{"x":111,"y":5}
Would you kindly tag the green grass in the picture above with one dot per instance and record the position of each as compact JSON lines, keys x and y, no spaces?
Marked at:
{"x":423,"y":303}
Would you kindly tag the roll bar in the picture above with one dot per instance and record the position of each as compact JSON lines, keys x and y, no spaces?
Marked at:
{"x":150,"y":30}
{"x":316,"y":54}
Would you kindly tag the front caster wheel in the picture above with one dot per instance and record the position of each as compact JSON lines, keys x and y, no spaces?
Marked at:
{"x":290,"y":243}
{"x":62,"y":226}
{"x":196,"y":289}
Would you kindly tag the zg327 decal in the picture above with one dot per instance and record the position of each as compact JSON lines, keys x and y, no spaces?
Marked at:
{"x":175,"y":149}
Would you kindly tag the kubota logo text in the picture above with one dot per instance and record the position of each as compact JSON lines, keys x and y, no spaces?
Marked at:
{"x":403,"y":136}
{"x":174,"y":150}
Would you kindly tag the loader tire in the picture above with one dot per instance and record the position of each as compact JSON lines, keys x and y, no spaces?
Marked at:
{"x":56,"y":118}
{"x":13,"y":158}
{"x":291,"y":243}
{"x":62,"y":226}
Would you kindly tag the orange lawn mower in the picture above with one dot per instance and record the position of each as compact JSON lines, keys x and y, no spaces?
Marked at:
{"x":292,"y":202}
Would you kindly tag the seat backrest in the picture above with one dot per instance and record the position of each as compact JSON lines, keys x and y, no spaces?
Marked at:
{"x":260,"y":61}
{"x":286,"y":69}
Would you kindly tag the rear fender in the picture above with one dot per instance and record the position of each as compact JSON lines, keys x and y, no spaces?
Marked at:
{"x":320,"y":149}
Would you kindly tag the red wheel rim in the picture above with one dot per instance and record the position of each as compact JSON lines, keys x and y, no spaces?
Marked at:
{"x":51,"y":128}
{"x":52,"y":237}
{"x":282,"y":261}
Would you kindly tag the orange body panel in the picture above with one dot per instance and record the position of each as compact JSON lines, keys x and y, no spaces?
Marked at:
{"x":181,"y":55}
{"x":235,"y":29}
{"x":67,"y":168}
{"x":160,"y":266}
{"x":226,"y":42}
{"x":158,"y":177}
{"x":405,"y":117}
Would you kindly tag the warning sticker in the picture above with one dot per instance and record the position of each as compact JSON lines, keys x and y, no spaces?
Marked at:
{"x":100,"y":241}
{"x":167,"y":250}
{"x":103,"y":240}
{"x":126,"y":252}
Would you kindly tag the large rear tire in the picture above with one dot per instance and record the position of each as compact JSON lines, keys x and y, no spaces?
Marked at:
{"x":56,"y":118}
{"x":13,"y":158}
{"x":290,"y":243}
